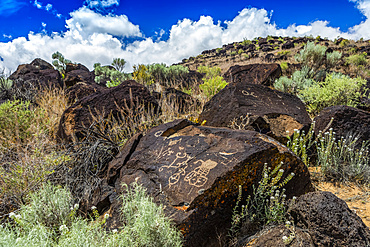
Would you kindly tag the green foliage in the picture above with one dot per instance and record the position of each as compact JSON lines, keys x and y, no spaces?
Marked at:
{"x":168,"y":76}
{"x":284,"y":66}
{"x":60,"y":62}
{"x":119,"y":64}
{"x":337,"y":89}
{"x":218,"y":50}
{"x":312,"y":56}
{"x":357,"y":59}
{"x":5,"y":86}
{"x":266,"y":205}
{"x":20,"y":122}
{"x":50,"y":220}
{"x":269,"y":37}
{"x":233,"y":53}
{"x":286,"y":52}
{"x":300,"y":143}
{"x":300,"y":80}
{"x":213,"y":81}
{"x":344,"y":43}
{"x":240,"y":51}
{"x":142,"y":75}
{"x":246,"y":42}
{"x":343,"y":160}
{"x":145,"y":223}
{"x":112,"y":76}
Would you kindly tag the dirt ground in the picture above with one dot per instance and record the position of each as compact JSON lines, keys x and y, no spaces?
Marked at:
{"x":357,"y":197}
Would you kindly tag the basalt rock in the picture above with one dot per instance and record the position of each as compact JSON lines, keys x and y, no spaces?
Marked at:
{"x":195,"y":172}
{"x":78,"y":73}
{"x":258,"y":108}
{"x":81,"y":90}
{"x":329,"y":221}
{"x":345,"y":121}
{"x":264,"y":74}
{"x":38,"y":73}
{"x":123,"y":99}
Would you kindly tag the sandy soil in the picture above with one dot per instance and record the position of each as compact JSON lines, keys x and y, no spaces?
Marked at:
{"x":357,"y":197}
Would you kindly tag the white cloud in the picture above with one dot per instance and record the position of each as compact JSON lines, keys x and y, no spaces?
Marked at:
{"x":37,"y":4}
{"x":92,"y":37}
{"x":48,"y":7}
{"x":85,"y":22}
{"x":101,"y":4}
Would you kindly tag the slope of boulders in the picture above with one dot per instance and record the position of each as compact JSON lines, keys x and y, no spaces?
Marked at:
{"x":194,"y":168}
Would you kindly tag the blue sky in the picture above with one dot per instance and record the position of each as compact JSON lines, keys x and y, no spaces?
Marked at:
{"x":162,"y":31}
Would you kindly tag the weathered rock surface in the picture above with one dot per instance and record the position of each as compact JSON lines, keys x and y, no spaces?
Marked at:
{"x":329,"y":221}
{"x":124,"y":98}
{"x":264,"y":74}
{"x":195,"y":171}
{"x":81,"y":90}
{"x":78,"y":73}
{"x":38,"y":73}
{"x":265,"y":110}
{"x":344,"y":120}
{"x":273,"y":237}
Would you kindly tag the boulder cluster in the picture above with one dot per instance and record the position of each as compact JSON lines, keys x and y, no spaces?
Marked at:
{"x":194,"y":170}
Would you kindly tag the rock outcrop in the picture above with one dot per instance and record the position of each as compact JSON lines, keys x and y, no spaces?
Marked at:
{"x":258,"y":108}
{"x":195,"y":172}
{"x":38,"y":73}
{"x":123,"y":99}
{"x":345,"y":121}
{"x":264,"y":74}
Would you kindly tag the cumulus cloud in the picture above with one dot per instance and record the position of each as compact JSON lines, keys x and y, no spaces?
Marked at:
{"x":92,"y":37}
{"x":8,"y":7}
{"x":101,"y":5}
{"x":85,"y":22}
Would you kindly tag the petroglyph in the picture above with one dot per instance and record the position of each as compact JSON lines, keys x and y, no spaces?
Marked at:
{"x":158,"y":133}
{"x":174,"y":142}
{"x":198,"y":177}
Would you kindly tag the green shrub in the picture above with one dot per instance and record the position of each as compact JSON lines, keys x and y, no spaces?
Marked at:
{"x":343,"y":160}
{"x":246,"y":42}
{"x":145,"y":223}
{"x":119,"y":64}
{"x":337,"y":89}
{"x":168,"y":76}
{"x":313,"y":56}
{"x":112,"y":77}
{"x":300,"y":80}
{"x":284,"y":66}
{"x":60,"y":62}
{"x":357,"y":59}
{"x":50,"y":220}
{"x":300,"y":143}
{"x":213,"y":81}
{"x":344,"y":43}
{"x":266,"y":205}
{"x":20,"y":122}
{"x":240,"y":51}
{"x":286,"y":52}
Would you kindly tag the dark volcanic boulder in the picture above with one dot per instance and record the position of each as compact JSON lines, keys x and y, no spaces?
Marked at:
{"x":264,"y":74}
{"x":344,"y":120}
{"x":81,"y":90}
{"x":329,"y":221}
{"x":38,"y":73}
{"x":258,"y":108}
{"x":78,"y":73}
{"x":273,"y":237}
{"x":287,"y":45}
{"x":195,"y":171}
{"x":125,"y":98}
